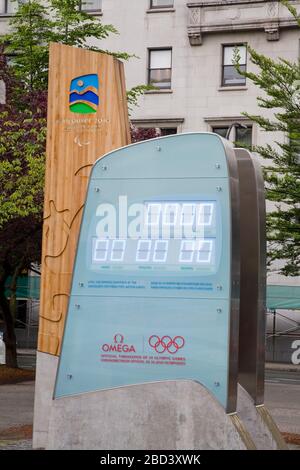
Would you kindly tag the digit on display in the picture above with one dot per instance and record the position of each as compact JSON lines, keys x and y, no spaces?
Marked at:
{"x":118,"y":250}
{"x":101,"y":250}
{"x":160,"y":251}
{"x":143,"y":250}
{"x":187,"y":251}
{"x":205,"y":251}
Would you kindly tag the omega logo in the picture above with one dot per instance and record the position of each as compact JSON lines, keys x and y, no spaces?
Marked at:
{"x":118,"y":345}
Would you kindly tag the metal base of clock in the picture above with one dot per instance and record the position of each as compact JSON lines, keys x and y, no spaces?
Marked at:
{"x":259,"y":423}
{"x":163,"y":415}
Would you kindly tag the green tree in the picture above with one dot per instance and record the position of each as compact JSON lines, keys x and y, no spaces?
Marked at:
{"x":22,"y":157}
{"x":34,"y":26}
{"x":23,"y":133}
{"x":279,"y":81}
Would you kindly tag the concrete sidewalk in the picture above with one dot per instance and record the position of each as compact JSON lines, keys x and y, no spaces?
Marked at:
{"x":16,"y":405}
{"x":281,"y":366}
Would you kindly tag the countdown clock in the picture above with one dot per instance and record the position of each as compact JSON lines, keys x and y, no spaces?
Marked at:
{"x":155,"y":287}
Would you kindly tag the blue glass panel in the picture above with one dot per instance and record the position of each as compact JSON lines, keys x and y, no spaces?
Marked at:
{"x":151,"y":290}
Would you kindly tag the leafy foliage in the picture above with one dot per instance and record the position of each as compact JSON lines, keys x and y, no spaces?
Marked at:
{"x":34,"y":26}
{"x":140,"y":134}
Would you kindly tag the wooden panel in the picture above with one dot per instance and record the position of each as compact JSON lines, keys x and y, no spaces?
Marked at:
{"x":75,"y":141}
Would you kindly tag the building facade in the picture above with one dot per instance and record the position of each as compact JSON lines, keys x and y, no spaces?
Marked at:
{"x":185,"y":48}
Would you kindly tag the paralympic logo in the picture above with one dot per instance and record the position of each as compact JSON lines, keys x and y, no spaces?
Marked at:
{"x":166,"y":343}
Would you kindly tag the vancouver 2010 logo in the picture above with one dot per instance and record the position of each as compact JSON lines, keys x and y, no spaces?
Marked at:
{"x":84,"y":98}
{"x":166,"y":344}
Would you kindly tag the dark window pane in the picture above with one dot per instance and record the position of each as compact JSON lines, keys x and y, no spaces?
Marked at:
{"x":222,"y":131}
{"x":168,"y":131}
{"x":243,"y":136}
{"x":161,"y":3}
{"x":231,"y":76}
{"x":160,"y":78}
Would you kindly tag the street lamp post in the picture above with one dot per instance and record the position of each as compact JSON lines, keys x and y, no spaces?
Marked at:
{"x":235,"y":125}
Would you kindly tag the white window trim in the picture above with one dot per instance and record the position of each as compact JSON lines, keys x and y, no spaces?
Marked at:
{"x":223,"y":87}
{"x":160,"y":122}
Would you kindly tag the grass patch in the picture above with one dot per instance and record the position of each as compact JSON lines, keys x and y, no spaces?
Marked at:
{"x":17,"y":433}
{"x":291,"y":438}
{"x":13,"y":376}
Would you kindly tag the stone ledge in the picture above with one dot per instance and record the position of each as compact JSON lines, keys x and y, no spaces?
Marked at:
{"x":221,"y":17}
{"x":158,"y":92}
{"x":160,"y":10}
{"x":233,"y":88}
{"x":158,"y":121}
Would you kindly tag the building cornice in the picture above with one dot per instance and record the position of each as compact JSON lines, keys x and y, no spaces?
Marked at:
{"x":158,"y":121}
{"x":207,"y":17}
{"x":222,"y":3}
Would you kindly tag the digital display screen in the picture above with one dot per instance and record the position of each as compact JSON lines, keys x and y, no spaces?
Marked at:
{"x":166,"y":233}
{"x":153,"y":251}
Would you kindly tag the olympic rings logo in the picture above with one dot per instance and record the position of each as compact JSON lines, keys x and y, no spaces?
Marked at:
{"x":166,"y":343}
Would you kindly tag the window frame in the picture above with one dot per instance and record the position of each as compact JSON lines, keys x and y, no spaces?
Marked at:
{"x":152,"y":49}
{"x":234,"y":140}
{"x":160,"y":7}
{"x":91,"y":10}
{"x":166,"y":131}
{"x":5,"y":12}
{"x":231,"y":85}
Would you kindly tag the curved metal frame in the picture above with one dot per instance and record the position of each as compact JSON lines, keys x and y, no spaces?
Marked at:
{"x":253,"y":276}
{"x":235,"y":277}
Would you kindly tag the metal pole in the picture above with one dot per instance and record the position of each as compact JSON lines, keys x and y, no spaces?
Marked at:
{"x":234,"y":125}
{"x":274,"y":334}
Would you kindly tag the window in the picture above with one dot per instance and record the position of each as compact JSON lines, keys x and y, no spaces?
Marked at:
{"x":160,"y":68}
{"x":168,"y":131}
{"x":230,"y":76}
{"x":241,"y":136}
{"x":91,"y":5}
{"x":161,"y":3}
{"x":7,"y":7}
